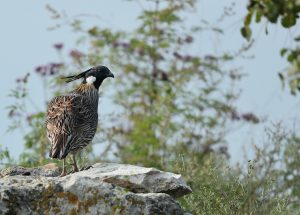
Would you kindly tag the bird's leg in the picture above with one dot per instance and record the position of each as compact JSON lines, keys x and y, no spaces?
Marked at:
{"x":74,"y":163}
{"x":64,"y":173}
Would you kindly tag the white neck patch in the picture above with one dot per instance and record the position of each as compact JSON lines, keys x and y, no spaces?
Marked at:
{"x":90,"y":79}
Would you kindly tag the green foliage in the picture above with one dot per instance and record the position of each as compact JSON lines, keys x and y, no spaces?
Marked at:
{"x":4,"y":156}
{"x":219,"y":189}
{"x":288,"y":13}
{"x":291,"y":174}
{"x":258,"y":188}
{"x":22,"y":119}
{"x":292,"y":73}
{"x":36,"y":139}
{"x":173,"y":99}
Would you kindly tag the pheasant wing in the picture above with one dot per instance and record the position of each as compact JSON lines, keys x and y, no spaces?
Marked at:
{"x":63,"y":117}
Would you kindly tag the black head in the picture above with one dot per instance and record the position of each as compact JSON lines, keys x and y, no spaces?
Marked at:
{"x":94,"y":76}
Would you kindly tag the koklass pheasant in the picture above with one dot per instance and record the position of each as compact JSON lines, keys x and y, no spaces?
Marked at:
{"x":72,"y":119}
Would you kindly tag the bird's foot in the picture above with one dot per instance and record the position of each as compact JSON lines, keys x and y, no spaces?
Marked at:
{"x":86,"y":168}
{"x":63,"y":174}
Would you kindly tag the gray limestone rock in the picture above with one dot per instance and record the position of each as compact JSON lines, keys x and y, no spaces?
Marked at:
{"x":106,"y":188}
{"x":49,"y":170}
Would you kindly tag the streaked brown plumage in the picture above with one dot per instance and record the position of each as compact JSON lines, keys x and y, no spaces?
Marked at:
{"x":72,"y":119}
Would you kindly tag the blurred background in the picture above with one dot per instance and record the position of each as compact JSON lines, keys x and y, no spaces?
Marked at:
{"x":206,"y":88}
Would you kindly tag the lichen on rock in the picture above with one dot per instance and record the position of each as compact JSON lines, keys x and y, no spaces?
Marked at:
{"x":107,"y":188}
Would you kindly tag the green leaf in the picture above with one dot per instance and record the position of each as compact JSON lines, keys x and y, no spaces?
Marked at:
{"x":273,"y":11}
{"x":297,"y":38}
{"x":288,"y":20}
{"x":266,"y":30}
{"x":259,"y":14}
{"x":290,"y":58}
{"x":293,"y":86}
{"x":281,"y":77}
{"x":218,"y":30}
{"x":93,"y":31}
{"x":283,"y":52}
{"x":246,"y":32}
{"x":248,"y":19}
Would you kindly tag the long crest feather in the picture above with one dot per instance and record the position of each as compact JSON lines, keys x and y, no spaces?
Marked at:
{"x":75,"y":77}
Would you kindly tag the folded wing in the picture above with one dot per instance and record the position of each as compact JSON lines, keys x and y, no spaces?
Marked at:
{"x":70,"y":124}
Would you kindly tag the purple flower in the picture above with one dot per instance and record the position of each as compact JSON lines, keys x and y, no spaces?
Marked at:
{"x":223,"y":150}
{"x":76,"y":55}
{"x":160,"y":57}
{"x":54,"y":68}
{"x":250,"y":117}
{"x":125,"y":45}
{"x":235,"y":115}
{"x":179,"y":40}
{"x":187,"y":58}
{"x":141,"y":51}
{"x":11,"y":113}
{"x":29,"y":118}
{"x":48,"y":69}
{"x":116,"y":44}
{"x":164,"y":76}
{"x":39,"y":69}
{"x":210,"y":57}
{"x":189,"y":39}
{"x":177,"y":55}
{"x":58,"y":46}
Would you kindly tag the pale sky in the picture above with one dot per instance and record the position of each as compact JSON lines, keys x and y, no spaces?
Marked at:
{"x":25,"y":43}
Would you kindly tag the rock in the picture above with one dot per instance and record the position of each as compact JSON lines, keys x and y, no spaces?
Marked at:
{"x":140,"y":179}
{"x":104,"y":189}
{"x":48,"y":170}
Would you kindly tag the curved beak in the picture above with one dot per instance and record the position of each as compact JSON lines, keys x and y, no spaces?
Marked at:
{"x":111,"y":75}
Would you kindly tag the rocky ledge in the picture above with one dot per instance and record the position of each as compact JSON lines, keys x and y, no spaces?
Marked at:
{"x":106,"y":188}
